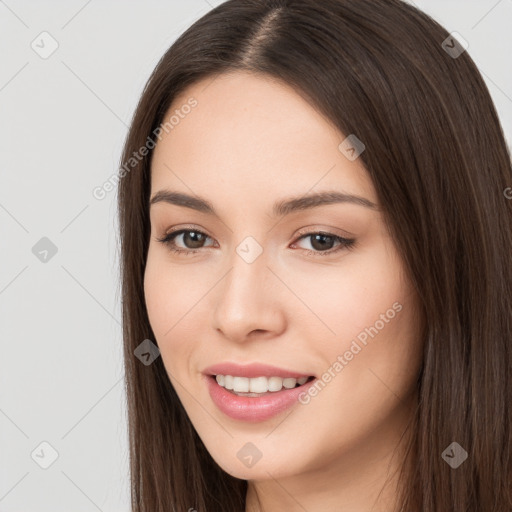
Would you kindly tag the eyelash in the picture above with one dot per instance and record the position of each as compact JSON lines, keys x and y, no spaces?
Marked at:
{"x":344,"y":243}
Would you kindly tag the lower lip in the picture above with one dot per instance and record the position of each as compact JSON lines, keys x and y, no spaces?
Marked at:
{"x":254,"y":409}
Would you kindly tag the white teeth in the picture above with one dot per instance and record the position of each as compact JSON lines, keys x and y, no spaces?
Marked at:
{"x":228,"y":381}
{"x":257,"y":385}
{"x":289,"y":383}
{"x":275,"y":384}
{"x":241,"y":384}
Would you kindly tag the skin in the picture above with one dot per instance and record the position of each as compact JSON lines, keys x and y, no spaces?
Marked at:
{"x":251,"y":141}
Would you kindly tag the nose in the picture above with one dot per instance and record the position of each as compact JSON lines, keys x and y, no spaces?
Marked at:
{"x":249,"y":301}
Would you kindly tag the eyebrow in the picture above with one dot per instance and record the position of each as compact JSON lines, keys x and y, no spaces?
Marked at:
{"x":280,"y":208}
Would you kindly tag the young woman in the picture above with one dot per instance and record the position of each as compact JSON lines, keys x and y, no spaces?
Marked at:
{"x":316,"y":233}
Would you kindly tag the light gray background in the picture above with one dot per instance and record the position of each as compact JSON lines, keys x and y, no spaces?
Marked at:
{"x":63,"y":120}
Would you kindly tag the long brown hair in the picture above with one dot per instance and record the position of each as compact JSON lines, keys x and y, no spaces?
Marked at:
{"x":437,"y":156}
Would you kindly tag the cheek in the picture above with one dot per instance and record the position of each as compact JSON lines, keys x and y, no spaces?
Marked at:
{"x":365,"y":294}
{"x":160,"y":303}
{"x":373,"y":312}
{"x":166,"y":293}
{"x":376,"y":318}
{"x":170,"y":297}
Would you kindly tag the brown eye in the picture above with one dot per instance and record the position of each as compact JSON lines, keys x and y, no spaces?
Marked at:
{"x":193,"y":240}
{"x":322,"y":243}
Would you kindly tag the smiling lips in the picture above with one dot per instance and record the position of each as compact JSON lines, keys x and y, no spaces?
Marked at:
{"x":254,"y":392}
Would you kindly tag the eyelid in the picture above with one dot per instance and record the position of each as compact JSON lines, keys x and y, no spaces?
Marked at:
{"x":186,"y":227}
{"x":313,"y":229}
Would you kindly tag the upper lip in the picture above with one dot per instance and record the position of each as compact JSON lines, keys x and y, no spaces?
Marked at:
{"x":252,"y":370}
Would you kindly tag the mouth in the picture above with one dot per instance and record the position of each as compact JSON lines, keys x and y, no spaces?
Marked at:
{"x":256,"y":391}
{"x":256,"y":387}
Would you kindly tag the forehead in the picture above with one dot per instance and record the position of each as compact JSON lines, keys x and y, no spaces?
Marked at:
{"x":251,"y":132}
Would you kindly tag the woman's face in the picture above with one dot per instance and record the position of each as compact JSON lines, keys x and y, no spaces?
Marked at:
{"x":312,"y":288}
